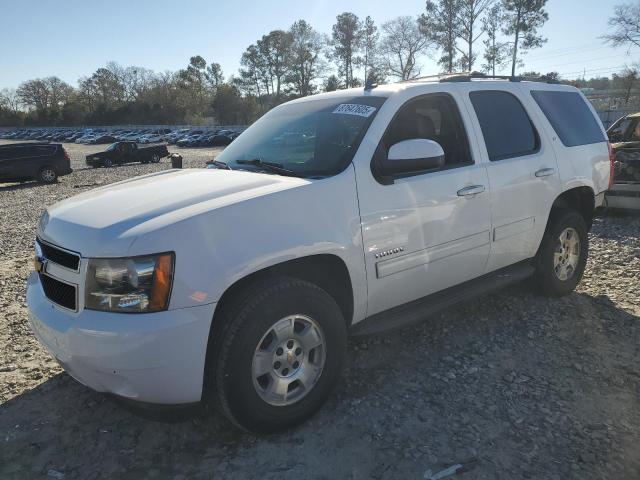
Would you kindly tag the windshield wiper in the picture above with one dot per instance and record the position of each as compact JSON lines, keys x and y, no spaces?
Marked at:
{"x":268,"y":166}
{"x":219,"y":164}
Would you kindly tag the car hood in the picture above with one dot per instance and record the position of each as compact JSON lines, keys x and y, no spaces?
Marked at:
{"x":107,"y":220}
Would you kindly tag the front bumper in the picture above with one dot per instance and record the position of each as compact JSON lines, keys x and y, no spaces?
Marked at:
{"x":152,"y":357}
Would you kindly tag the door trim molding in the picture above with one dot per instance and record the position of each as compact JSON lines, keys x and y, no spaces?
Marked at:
{"x":431,"y":254}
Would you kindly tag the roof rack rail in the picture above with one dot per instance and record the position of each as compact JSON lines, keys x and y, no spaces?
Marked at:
{"x":468,"y":76}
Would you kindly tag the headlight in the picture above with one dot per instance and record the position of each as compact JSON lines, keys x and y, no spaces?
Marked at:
{"x":136,"y":284}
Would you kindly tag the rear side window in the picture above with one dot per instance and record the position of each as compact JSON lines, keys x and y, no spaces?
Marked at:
{"x":43,"y":150}
{"x":570,"y":117}
{"x":506,"y":127}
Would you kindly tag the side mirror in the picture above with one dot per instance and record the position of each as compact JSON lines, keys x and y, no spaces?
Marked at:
{"x":412,"y":156}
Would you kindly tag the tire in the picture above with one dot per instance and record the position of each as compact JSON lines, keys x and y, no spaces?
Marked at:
{"x":559,"y":267}
{"x":47,"y":174}
{"x":155,"y":158}
{"x":243,"y":340}
{"x":107,"y":163}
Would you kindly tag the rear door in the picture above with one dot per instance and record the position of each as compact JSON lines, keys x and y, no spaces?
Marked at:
{"x":521,"y":165}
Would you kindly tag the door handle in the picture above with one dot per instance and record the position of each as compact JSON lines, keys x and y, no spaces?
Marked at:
{"x":545,"y":172}
{"x":470,"y":190}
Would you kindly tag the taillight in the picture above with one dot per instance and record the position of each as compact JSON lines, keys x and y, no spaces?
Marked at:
{"x":612,"y":164}
{"x":66,"y":155}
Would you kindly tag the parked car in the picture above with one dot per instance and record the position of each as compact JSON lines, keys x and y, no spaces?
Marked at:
{"x":625,"y":188}
{"x":44,"y":162}
{"x":126,"y":152}
{"x":151,"y":138}
{"x":101,"y":139}
{"x":237,"y":286}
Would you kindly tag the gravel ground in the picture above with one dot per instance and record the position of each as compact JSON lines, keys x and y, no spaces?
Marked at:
{"x":510,"y":386}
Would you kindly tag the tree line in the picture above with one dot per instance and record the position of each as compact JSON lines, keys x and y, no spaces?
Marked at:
{"x":462,"y":35}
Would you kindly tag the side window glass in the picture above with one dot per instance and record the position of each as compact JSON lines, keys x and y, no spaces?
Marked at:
{"x":506,"y":127}
{"x":618,"y":130}
{"x":432,"y":117}
{"x":570,"y":117}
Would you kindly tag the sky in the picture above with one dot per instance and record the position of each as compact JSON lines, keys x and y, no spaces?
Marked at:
{"x":72,"y":38}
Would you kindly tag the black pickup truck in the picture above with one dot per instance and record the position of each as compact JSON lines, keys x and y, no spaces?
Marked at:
{"x":126,"y":152}
{"x":44,"y":162}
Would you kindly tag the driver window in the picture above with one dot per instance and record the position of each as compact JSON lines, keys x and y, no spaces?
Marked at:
{"x":432,"y":117}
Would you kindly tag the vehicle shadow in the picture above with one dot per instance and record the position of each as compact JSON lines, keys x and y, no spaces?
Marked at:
{"x":477,"y":376}
{"x":21,"y":185}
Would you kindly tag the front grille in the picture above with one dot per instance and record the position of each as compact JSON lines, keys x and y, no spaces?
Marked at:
{"x":59,"y":256}
{"x":59,"y":292}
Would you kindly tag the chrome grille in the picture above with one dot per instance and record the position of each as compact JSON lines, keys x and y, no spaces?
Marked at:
{"x":57,"y":255}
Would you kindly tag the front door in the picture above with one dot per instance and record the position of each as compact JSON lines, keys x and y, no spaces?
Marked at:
{"x":426,"y":232}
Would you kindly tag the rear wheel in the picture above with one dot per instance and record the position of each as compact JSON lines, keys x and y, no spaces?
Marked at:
{"x":47,"y":174}
{"x":276,"y":354}
{"x":562,"y":256}
{"x":155,"y":158}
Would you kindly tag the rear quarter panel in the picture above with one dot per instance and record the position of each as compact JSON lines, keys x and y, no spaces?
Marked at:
{"x":582,"y":165}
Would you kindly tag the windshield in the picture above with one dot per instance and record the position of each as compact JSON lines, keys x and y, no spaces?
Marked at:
{"x":112,"y":147}
{"x":311,"y":139}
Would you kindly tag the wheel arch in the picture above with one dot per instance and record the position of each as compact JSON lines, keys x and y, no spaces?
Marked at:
{"x":328,"y":271}
{"x":581,"y":199}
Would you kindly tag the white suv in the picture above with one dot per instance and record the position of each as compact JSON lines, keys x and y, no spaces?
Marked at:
{"x":238,"y":285}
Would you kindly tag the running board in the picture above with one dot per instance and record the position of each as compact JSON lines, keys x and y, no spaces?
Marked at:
{"x":419,"y":310}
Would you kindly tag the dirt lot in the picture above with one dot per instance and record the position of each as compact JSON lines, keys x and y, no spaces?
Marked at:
{"x":511,"y":386}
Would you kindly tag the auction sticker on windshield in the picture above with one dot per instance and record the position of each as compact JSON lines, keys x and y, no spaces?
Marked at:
{"x":355,"y":109}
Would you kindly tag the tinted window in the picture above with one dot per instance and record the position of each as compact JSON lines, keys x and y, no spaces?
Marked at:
{"x":432,"y":117}
{"x":506,"y":127}
{"x":570,"y":117}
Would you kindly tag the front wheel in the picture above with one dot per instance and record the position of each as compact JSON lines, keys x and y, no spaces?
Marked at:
{"x":107,"y":162}
{"x":276,"y":353}
{"x":562,"y":256}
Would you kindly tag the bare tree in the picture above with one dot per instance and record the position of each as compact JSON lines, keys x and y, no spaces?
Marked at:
{"x":626,"y":82}
{"x":9,"y":100}
{"x":495,"y":52}
{"x":401,"y":44}
{"x":522,"y":19}
{"x":43,"y":94}
{"x":441,"y":24}
{"x":470,"y":14}
{"x":626,"y":25}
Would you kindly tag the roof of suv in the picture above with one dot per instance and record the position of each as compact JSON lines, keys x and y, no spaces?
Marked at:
{"x":386,"y":90}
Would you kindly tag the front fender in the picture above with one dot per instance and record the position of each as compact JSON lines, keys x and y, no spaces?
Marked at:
{"x":217,"y":248}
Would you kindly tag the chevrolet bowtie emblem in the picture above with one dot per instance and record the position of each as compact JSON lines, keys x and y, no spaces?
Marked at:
{"x":39,"y":264}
